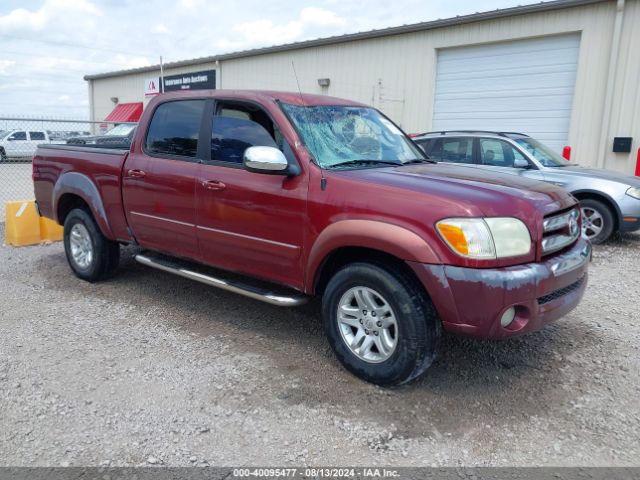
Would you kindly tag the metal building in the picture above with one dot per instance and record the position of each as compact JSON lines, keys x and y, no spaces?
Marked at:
{"x":566,"y":72}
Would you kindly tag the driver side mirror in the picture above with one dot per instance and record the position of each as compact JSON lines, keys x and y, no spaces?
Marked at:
{"x":520,"y":163}
{"x":267,"y":160}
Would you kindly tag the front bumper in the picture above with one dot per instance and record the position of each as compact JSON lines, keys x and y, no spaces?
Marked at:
{"x":629,"y":214}
{"x":630,"y":224}
{"x":471,"y":301}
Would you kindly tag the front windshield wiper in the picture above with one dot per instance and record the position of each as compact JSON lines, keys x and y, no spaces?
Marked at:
{"x":556,"y":165}
{"x":419,"y":160}
{"x":365,"y":162}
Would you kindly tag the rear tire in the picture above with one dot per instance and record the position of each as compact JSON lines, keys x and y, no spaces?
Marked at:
{"x":597,"y":220}
{"x":383,"y":348}
{"x":90,"y":254}
{"x":3,"y":155}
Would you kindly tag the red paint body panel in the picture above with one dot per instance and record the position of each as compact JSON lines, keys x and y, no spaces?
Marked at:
{"x":471,"y":301}
{"x":255,"y":225}
{"x":160,"y":207}
{"x":103,"y":171}
{"x":283,"y":229}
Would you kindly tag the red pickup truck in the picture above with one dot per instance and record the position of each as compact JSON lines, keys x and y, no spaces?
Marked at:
{"x":282,"y":196}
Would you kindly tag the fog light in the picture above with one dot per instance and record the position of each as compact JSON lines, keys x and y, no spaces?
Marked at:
{"x":507,"y":316}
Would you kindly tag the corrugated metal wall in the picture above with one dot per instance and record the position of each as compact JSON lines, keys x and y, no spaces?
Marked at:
{"x":397,"y":74}
{"x":625,"y":105}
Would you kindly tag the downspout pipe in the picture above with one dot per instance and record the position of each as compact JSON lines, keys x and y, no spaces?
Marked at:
{"x":611,"y":80}
{"x":92,"y":107}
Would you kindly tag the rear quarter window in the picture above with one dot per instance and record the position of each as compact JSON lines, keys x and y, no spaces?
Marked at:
{"x":36,"y":135}
{"x":423,"y":144}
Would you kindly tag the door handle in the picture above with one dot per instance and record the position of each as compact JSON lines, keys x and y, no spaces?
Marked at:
{"x":136,"y":173}
{"x":213,"y":185}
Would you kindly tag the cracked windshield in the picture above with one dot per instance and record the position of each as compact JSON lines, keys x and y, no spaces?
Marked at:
{"x":341,"y":135}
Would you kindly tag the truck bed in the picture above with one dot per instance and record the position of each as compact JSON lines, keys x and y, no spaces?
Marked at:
{"x":57,"y":169}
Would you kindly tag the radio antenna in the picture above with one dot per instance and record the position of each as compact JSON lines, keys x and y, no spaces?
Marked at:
{"x":323,"y":180}
{"x":293,"y":66}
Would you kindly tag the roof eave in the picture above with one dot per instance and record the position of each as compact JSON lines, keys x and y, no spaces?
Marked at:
{"x":351,"y":37}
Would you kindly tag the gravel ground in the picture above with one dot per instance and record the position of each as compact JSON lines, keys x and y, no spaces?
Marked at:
{"x":148,"y":368}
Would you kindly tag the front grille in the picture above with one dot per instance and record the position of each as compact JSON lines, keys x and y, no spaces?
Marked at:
{"x":560,"y":230}
{"x":561,"y":292}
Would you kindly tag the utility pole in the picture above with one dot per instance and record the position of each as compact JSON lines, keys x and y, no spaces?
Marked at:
{"x":161,"y":76}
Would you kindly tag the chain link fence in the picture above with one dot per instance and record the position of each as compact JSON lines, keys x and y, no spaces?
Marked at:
{"x":19,"y":138}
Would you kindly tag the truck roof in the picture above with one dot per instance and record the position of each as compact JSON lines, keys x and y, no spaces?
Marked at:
{"x":294,"y":98}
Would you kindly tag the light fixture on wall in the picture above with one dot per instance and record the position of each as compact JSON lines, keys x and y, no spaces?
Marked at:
{"x":114,"y":99}
{"x":324,"y":82}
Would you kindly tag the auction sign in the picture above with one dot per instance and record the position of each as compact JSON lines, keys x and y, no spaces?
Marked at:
{"x":205,"y":80}
{"x":151,"y":86}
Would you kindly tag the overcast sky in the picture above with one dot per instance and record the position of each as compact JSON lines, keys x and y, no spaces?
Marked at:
{"x":46,"y":46}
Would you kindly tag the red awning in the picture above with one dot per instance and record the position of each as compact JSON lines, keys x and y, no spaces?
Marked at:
{"x":125,"y":112}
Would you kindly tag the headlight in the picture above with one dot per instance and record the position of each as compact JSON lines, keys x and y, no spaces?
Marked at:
{"x":634,"y":192}
{"x":486,"y":238}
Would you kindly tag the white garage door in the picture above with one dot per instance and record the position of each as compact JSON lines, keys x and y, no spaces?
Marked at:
{"x":518,"y":86}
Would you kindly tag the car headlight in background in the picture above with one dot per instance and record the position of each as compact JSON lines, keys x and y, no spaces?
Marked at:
{"x":634,"y":192}
{"x":486,"y":238}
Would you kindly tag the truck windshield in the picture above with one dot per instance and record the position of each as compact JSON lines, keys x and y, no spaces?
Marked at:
{"x":542,"y":153}
{"x":351,"y":136}
{"x":121,"y":130}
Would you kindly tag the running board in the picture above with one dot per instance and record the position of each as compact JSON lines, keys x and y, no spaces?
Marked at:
{"x":264,"y":293}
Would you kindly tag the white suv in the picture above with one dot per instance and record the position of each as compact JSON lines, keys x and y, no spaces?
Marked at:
{"x":16,"y":144}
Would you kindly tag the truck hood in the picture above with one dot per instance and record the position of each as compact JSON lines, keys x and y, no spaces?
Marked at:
{"x":598,"y":173}
{"x":495,"y":194}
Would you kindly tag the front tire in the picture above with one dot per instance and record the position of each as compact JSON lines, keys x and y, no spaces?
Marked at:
{"x":597,"y":221}
{"x":90,"y":254}
{"x":380,"y":323}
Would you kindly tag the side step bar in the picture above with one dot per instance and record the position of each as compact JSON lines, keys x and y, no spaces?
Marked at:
{"x":289,"y":299}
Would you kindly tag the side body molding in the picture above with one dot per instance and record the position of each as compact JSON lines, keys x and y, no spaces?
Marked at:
{"x":82,"y":186}
{"x":392,"y":239}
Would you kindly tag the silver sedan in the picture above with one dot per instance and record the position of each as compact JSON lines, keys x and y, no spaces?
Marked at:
{"x":610,"y":201}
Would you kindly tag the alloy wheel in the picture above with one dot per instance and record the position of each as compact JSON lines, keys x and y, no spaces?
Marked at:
{"x":367,"y":324}
{"x":81,"y":246}
{"x":592,"y":222}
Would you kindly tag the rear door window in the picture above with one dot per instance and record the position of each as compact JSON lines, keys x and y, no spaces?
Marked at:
{"x":175,"y":128}
{"x":433,"y":148}
{"x":456,"y":150}
{"x":36,"y":135}
{"x":423,"y":144}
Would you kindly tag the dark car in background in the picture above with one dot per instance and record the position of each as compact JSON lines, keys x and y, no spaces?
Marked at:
{"x":119,"y":136}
